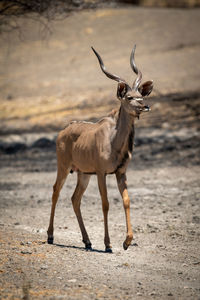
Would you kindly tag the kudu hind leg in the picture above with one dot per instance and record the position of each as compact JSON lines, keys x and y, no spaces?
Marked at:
{"x":82,"y":183}
{"x":61,"y":177}
{"x":121,"y":180}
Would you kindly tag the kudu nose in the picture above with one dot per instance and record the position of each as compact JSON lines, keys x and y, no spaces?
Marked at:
{"x":146,"y":108}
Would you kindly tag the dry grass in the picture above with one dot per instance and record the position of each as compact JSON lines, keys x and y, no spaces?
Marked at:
{"x":51,"y":112}
{"x":170,"y":3}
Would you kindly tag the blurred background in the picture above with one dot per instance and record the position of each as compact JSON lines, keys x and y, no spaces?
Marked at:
{"x":49,"y":75}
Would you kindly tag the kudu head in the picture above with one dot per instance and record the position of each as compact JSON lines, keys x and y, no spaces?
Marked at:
{"x":131,"y":98}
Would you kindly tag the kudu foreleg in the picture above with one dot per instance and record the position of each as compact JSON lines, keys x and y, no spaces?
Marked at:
{"x":105,"y":208}
{"x":122,"y":185}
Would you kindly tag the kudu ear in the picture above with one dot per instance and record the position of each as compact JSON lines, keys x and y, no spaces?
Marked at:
{"x":122,"y":89}
{"x":146,"y":88}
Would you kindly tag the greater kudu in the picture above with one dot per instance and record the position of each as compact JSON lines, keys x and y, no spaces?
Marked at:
{"x":101,"y":148}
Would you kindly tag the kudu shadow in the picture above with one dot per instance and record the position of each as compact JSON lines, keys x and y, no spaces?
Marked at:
{"x":82,"y":248}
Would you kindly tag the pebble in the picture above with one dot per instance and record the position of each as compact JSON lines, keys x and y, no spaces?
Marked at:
{"x":72,"y":280}
{"x":26,"y":252}
{"x":152,"y":293}
{"x":44,"y":267}
{"x":40,"y":230}
{"x":134,"y":244}
{"x":184,"y":265}
{"x":196,"y":219}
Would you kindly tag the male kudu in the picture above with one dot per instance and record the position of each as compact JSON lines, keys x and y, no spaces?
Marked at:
{"x":101,"y":148}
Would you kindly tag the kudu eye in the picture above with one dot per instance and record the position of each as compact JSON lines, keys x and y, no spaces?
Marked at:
{"x":129,"y":97}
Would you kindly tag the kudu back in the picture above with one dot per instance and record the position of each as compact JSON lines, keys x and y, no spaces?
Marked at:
{"x":101,"y":148}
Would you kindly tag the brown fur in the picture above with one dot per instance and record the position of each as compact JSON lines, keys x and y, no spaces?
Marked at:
{"x":100,"y":148}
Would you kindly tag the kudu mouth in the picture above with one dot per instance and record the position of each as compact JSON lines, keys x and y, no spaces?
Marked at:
{"x":146,"y":108}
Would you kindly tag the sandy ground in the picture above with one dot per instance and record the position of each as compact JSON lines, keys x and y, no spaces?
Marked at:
{"x":163,"y":261}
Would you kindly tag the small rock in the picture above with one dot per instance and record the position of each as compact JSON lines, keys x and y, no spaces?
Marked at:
{"x":41,"y":242}
{"x":72,"y":280}
{"x":134,"y":244}
{"x":26,"y":252}
{"x":170,"y":294}
{"x":77,"y":2}
{"x":40,"y":230}
{"x":116,"y":199}
{"x":184,"y":265}
{"x":152,"y":293}
{"x":44,"y":267}
{"x":196,"y":220}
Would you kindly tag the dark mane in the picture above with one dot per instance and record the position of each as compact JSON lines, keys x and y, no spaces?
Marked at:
{"x":131,"y":140}
{"x":130,"y":149}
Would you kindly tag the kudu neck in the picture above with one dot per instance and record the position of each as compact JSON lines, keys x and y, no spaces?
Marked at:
{"x":124,"y":128}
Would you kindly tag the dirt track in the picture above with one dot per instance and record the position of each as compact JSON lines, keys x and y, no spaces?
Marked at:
{"x":163,"y":178}
{"x":163,"y":261}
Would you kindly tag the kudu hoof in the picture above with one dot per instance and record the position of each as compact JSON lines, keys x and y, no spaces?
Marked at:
{"x":108,"y":249}
{"x":125,"y":246}
{"x":88,"y":245}
{"x":50,"y":240}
